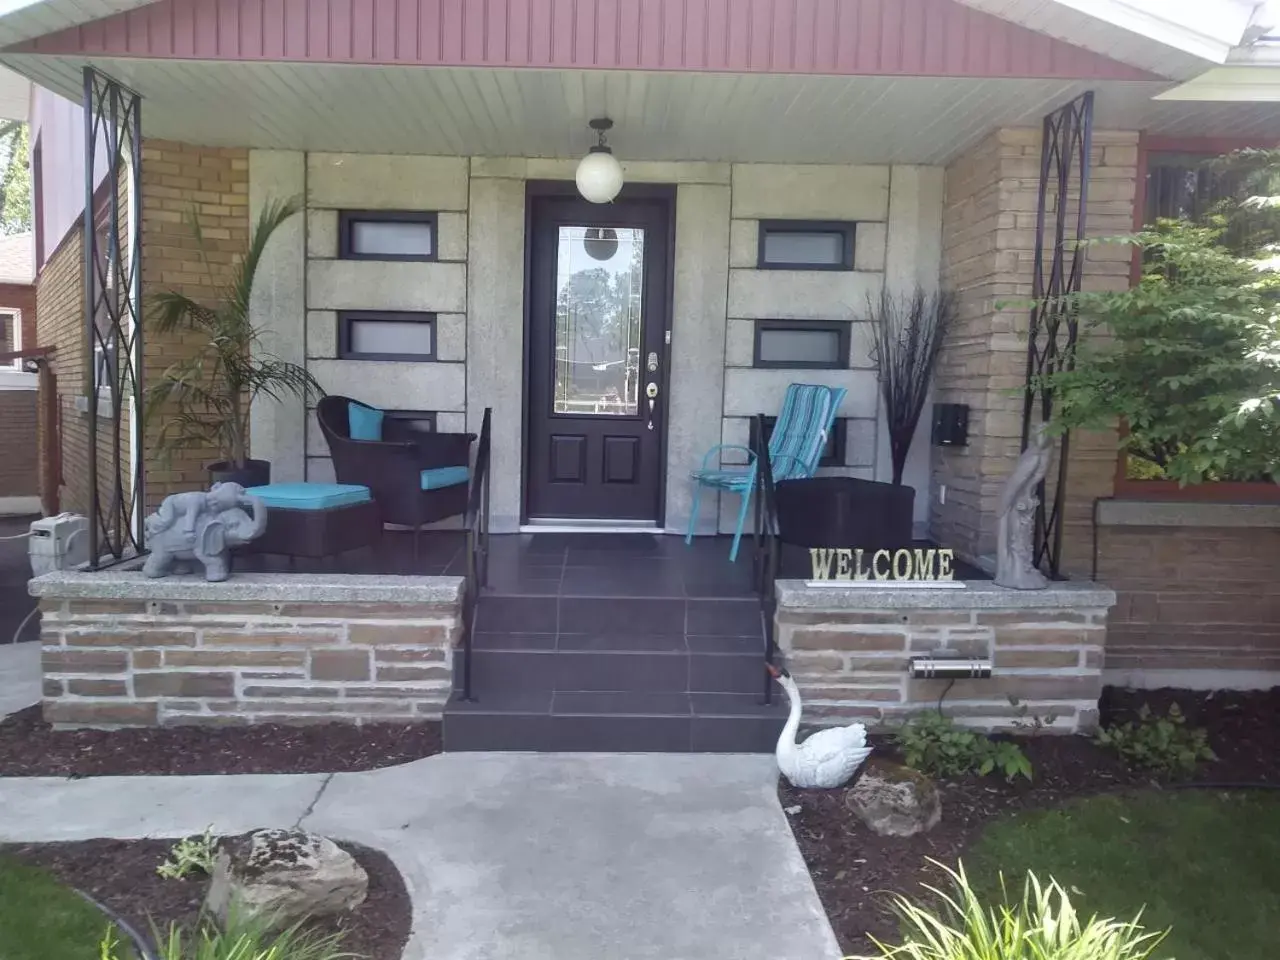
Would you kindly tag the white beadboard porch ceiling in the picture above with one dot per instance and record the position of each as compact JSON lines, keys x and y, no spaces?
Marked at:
{"x":657,"y":116}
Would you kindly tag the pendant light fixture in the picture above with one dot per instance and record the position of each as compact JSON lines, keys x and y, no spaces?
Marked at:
{"x":599,"y":175}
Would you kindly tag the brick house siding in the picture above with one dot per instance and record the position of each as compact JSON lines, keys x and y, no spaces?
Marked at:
{"x":19,"y":453}
{"x":59,"y":309}
{"x":988,"y":240}
{"x":176,"y":178}
{"x":19,"y":468}
{"x":1194,"y":600}
{"x":21,"y":297}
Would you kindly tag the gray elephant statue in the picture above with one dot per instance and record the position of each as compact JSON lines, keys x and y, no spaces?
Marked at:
{"x":202,"y":527}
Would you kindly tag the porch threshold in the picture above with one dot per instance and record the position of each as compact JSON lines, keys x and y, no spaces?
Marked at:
{"x":589,"y":526}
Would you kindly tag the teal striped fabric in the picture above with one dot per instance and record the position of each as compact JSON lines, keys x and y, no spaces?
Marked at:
{"x":800,"y":433}
{"x":795,"y":447}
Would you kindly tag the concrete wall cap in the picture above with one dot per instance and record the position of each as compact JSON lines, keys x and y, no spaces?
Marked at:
{"x":1184,"y":513}
{"x":977,"y":595}
{"x":129,"y":584}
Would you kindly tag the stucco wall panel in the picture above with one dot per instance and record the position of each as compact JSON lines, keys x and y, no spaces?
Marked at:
{"x":387,"y":285}
{"x":395,"y":385}
{"x":373,"y":182}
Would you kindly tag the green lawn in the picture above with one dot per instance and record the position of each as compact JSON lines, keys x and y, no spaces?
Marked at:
{"x":1205,"y":863}
{"x":41,"y":919}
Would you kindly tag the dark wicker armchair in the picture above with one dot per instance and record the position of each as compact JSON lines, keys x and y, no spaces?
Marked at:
{"x":392,"y":467}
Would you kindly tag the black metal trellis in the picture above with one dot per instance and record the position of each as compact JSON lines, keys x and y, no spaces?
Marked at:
{"x":1059,"y":270}
{"x":113,"y":317}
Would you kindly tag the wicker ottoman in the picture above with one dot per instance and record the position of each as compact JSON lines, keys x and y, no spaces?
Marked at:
{"x":316,"y":519}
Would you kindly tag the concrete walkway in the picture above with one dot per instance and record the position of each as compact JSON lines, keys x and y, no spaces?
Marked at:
{"x":19,"y":676}
{"x":513,"y":856}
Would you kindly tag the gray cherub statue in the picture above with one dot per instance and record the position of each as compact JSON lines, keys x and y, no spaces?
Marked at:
{"x":1015,"y":540}
{"x":203,"y":527}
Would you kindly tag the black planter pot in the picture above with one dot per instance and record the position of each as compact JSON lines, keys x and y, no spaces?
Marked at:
{"x":840,"y":512}
{"x":255,"y":473}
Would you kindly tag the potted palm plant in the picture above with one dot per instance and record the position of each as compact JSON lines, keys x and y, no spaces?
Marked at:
{"x":203,"y":401}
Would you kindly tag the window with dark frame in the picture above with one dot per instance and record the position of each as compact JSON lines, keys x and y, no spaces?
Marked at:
{"x":833,"y":454}
{"x":803,"y":344}
{"x":400,"y":423}
{"x":386,"y":335}
{"x":388,"y":235}
{"x":805,"y":245}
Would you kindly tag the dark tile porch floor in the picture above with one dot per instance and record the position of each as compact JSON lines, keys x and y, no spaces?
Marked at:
{"x":550,"y":564}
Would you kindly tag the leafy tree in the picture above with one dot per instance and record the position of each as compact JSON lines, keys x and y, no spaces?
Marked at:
{"x":15,"y":180}
{"x":1189,"y":357}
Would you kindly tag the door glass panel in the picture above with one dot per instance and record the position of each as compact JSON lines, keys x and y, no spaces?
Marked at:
{"x":599,"y":285}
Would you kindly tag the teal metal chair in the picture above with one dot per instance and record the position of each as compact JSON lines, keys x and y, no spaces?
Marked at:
{"x":795,"y":447}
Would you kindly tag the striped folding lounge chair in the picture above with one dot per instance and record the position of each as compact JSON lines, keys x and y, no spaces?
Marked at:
{"x":795,"y":447}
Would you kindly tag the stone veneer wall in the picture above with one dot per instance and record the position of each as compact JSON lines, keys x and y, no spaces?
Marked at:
{"x":848,"y":650}
{"x":120,"y":650}
{"x":988,"y":253}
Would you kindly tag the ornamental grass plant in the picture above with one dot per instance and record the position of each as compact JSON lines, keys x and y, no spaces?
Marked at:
{"x":1041,"y":925}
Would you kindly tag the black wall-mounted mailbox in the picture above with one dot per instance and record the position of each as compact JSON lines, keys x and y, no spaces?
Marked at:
{"x":950,"y":424}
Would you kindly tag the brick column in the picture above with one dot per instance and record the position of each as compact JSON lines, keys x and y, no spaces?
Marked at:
{"x":989,"y":219}
{"x":179,"y":179}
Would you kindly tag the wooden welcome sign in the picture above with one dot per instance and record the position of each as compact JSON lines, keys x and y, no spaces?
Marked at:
{"x":916,"y":565}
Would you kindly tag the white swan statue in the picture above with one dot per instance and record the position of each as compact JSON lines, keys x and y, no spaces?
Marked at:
{"x":827,"y":758}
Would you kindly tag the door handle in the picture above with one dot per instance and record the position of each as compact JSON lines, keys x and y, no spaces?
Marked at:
{"x":651,"y":391}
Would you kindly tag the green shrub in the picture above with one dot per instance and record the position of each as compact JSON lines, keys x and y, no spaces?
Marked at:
{"x":1164,"y":745}
{"x":189,"y":855}
{"x":935,"y":745}
{"x":1043,"y":925}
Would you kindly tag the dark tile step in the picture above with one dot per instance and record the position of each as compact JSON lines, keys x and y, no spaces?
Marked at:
{"x":547,"y":612}
{"x":660,"y":665}
{"x":584,"y":721}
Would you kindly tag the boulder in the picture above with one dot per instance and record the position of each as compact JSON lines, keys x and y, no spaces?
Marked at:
{"x":894,"y":801}
{"x":284,"y":875}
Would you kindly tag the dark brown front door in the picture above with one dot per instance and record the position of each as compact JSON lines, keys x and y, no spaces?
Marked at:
{"x":598,"y":314}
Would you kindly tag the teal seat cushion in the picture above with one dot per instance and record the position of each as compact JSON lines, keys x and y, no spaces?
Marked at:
{"x":311,"y":496}
{"x":364,"y":423}
{"x":442,"y":477}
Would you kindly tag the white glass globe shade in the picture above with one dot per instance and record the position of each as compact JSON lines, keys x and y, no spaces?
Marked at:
{"x":599,"y":177}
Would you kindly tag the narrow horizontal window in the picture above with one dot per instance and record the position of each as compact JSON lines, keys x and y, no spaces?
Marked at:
{"x":386,"y":336}
{"x":387,"y":235}
{"x":816,"y":344}
{"x":806,"y":245}
{"x":407,"y":424}
{"x":833,"y":454}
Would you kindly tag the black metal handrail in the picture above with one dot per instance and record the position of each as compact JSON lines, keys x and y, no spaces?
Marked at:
{"x":477,"y":525}
{"x":766,"y":543}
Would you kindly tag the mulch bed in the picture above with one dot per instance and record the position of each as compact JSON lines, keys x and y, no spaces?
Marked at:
{"x":29,"y":747}
{"x":122,"y":875}
{"x":855,"y":870}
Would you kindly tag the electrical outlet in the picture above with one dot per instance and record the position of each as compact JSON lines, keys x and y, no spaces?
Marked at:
{"x":942,"y":493}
